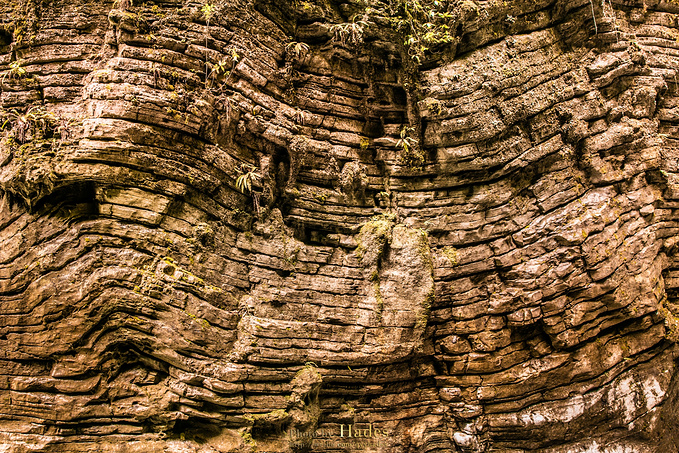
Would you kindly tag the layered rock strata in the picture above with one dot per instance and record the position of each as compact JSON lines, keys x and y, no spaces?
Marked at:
{"x":251,"y":225}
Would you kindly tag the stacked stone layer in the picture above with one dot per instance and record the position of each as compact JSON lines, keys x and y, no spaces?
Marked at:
{"x":517,"y":292}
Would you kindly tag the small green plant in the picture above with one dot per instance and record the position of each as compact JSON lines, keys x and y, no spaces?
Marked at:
{"x":406,"y":141}
{"x":247,"y":176}
{"x":364,"y":143}
{"x":15,"y":71}
{"x":297,"y":51}
{"x":411,"y":155}
{"x":424,"y":24}
{"x":35,"y":123}
{"x":223,"y":68}
{"x":350,"y":33}
{"x":208,"y":10}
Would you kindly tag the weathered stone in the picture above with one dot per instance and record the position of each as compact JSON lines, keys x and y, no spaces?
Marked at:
{"x":233,"y":226}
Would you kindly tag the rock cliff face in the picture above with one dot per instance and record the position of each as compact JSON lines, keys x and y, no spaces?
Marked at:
{"x":255,"y":225}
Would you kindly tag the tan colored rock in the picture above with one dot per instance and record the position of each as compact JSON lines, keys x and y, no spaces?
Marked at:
{"x":247,"y":226}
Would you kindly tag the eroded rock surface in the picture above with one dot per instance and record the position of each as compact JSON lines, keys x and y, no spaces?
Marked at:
{"x":248,"y":225}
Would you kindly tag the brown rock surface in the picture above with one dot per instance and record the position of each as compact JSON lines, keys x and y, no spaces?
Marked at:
{"x":247,"y":225}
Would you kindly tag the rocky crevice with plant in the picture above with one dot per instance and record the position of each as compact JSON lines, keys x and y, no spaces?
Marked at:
{"x":226,"y":221}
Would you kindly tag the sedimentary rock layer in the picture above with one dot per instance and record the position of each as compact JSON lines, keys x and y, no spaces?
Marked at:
{"x":251,"y":225}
